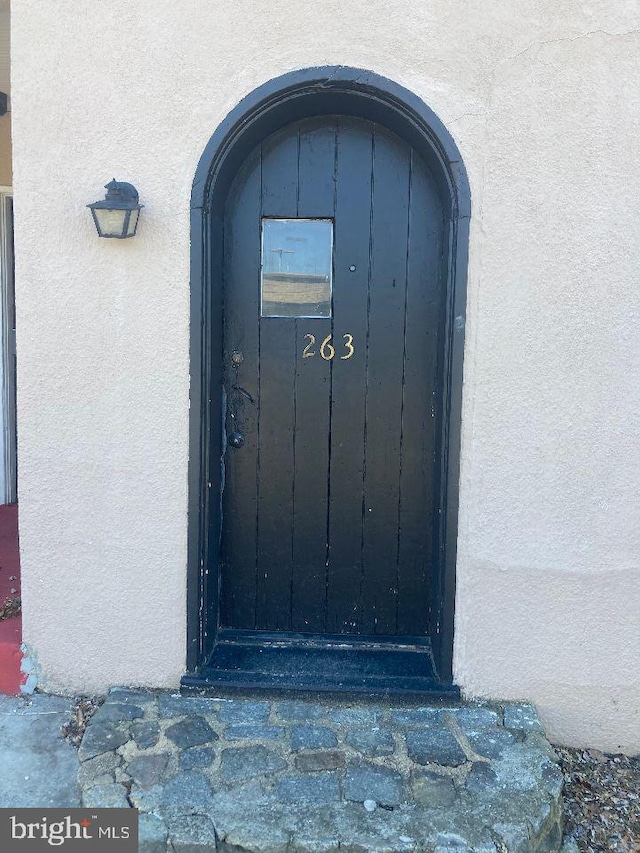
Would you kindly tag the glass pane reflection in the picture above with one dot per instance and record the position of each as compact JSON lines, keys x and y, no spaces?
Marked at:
{"x":296,"y":267}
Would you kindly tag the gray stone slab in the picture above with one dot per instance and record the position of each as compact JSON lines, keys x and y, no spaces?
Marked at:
{"x":237,"y":711}
{"x":192,"y":834}
{"x":170,"y":705}
{"x":547,"y":829}
{"x":523,"y":718}
{"x":491,"y":743}
{"x":372,"y":742}
{"x":418,"y":716}
{"x":254,"y":731}
{"x":191,"y":731}
{"x":383,"y":786}
{"x":243,"y":828}
{"x":433,"y":790}
{"x":36,"y":703}
{"x":229,"y":802}
{"x":299,"y":712}
{"x":116,"y":712}
{"x":102,"y":737}
{"x":538,"y":743}
{"x":482,"y":779}
{"x":38,"y":769}
{"x":308,"y":789}
{"x":538,"y":821}
{"x":147,"y":770}
{"x":112,"y":796}
{"x":312,"y":737}
{"x":434,"y":746}
{"x":451,"y":841}
{"x":198,"y":756}
{"x":473,"y":719}
{"x":173,"y":705}
{"x":147,"y":799}
{"x":99,"y":770}
{"x":85,"y":781}
{"x":552,"y":779}
{"x":516,"y":771}
{"x":247,"y":762}
{"x":448,"y":842}
{"x":131,"y":695}
{"x":120,"y":775}
{"x":359,"y":831}
{"x":312,"y":762}
{"x":146,"y":734}
{"x":186,"y":793}
{"x":514,"y":836}
{"x":357,"y":716}
{"x":152,"y":834}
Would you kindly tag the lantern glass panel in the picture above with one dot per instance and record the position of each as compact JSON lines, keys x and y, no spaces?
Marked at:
{"x":110,"y":222}
{"x":133,"y":221}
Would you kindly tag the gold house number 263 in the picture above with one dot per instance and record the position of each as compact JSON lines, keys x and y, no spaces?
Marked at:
{"x":327,"y":349}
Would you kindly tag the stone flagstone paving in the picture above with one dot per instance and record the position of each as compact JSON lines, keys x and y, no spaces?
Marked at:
{"x":234,"y":775}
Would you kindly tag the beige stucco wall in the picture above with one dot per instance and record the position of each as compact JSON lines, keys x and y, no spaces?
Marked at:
{"x":543,"y":99}
{"x":5,"y":150}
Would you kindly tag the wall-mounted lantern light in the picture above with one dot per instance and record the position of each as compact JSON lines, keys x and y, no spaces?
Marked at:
{"x":117,"y":214}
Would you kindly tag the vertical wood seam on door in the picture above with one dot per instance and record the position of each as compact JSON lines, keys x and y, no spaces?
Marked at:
{"x":295,"y":411}
{"x":325,"y":615}
{"x":404,"y":364}
{"x":366,"y":373}
{"x":293,"y":478}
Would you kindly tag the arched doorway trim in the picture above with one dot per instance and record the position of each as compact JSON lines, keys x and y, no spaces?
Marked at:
{"x":301,"y":94}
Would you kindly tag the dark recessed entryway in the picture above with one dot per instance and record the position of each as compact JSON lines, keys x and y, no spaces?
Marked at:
{"x":329,"y":255}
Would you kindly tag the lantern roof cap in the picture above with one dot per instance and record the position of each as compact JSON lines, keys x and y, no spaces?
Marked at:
{"x":120,"y":196}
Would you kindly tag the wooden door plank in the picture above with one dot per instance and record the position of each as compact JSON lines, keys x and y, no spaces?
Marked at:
{"x":417,"y":519}
{"x":316,"y":168}
{"x":311,"y":455}
{"x":312,"y":391}
{"x":277,"y":347}
{"x":385,"y":356}
{"x":352,"y":237}
{"x":242,"y":274}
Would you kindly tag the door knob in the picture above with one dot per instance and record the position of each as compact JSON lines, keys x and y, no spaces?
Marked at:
{"x":236,"y":439}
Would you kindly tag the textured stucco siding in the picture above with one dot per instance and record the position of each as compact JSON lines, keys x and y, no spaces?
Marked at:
{"x":5,"y":150}
{"x":543,"y":100}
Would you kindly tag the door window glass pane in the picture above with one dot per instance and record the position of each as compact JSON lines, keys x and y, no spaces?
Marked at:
{"x":296,"y":267}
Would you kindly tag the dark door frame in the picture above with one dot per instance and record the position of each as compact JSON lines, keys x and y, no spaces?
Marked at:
{"x":335,"y":90}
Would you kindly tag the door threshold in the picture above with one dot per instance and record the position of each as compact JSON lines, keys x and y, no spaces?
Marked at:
{"x":255,"y":661}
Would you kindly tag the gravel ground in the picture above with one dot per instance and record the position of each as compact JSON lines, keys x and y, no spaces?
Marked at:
{"x":601,"y":800}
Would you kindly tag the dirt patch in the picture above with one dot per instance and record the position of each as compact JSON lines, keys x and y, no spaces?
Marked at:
{"x":84,"y":708}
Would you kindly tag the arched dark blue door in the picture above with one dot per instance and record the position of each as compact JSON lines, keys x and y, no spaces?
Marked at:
{"x":329,"y":351}
{"x":333,"y":335}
